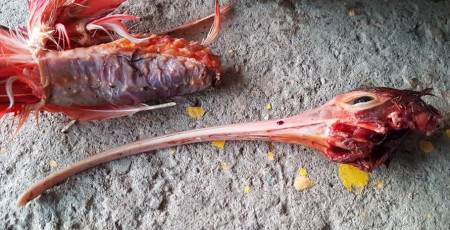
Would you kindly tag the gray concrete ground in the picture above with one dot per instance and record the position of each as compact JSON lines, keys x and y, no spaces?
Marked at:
{"x":293,"y":54}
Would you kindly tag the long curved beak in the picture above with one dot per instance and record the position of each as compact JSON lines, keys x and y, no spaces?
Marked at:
{"x":308,"y":129}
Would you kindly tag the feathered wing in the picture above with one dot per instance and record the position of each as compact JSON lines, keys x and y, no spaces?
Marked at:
{"x":20,"y":89}
{"x":215,"y":27}
{"x":52,"y":25}
{"x":65,"y":24}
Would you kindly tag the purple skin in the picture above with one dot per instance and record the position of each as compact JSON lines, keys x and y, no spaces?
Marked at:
{"x":97,"y":77}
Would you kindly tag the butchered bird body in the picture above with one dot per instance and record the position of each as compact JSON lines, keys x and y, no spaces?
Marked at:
{"x":76,"y":58}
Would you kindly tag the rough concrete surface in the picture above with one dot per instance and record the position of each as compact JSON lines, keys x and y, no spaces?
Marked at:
{"x":293,"y":54}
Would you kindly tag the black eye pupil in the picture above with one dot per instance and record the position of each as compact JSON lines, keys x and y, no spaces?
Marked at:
{"x":362,"y":99}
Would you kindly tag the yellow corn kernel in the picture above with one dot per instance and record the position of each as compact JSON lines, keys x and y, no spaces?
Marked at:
{"x":220,"y":144}
{"x":302,"y":183}
{"x":225,"y":166}
{"x":247,"y":189}
{"x":195,"y":112}
{"x":271,"y":156}
{"x":303,"y":172}
{"x":53,"y":164}
{"x":354,"y":179}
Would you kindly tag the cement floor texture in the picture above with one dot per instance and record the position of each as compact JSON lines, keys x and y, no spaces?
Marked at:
{"x":295,"y":55}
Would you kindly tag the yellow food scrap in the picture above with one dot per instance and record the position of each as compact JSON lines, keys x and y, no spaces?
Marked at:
{"x":144,"y":118}
{"x":448,"y":133}
{"x":220,"y":144}
{"x":430,"y":216}
{"x":354,"y":179}
{"x":426,"y":146}
{"x":269,"y":106}
{"x":271,"y":156}
{"x":230,"y":51}
{"x":53,"y":164}
{"x":225,"y":166}
{"x":3,"y":150}
{"x":379,"y":184}
{"x":195,"y":112}
{"x":247,"y":189}
{"x":363,"y":213}
{"x":303,"y":172}
{"x":173,"y":151}
{"x":351,"y":13}
{"x":302,"y":183}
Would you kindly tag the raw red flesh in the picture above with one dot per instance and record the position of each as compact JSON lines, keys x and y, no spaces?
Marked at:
{"x":363,"y":135}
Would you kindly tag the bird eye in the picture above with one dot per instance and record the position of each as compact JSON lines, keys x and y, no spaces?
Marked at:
{"x":362,"y":99}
